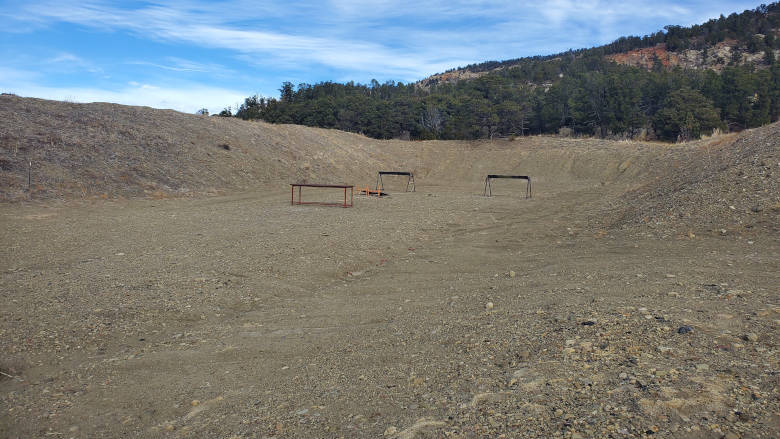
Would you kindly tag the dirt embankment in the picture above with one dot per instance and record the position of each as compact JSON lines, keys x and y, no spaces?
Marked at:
{"x":108,"y":151}
{"x":113,"y":151}
{"x":723,"y":185}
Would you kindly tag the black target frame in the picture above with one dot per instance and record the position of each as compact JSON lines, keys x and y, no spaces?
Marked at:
{"x":488,"y":190}
{"x":409,"y":180}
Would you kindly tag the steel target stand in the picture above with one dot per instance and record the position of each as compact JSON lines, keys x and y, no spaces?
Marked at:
{"x":488,"y":190}
{"x":322,"y":203}
{"x":409,"y":180}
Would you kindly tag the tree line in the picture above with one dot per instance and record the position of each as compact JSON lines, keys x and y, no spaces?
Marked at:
{"x":579,"y":93}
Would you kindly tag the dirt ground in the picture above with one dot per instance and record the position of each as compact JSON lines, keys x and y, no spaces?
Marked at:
{"x":438,"y":313}
{"x":634,"y":295}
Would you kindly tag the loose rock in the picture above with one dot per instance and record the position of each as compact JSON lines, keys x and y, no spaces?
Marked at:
{"x":750,"y":336}
{"x":684,"y":329}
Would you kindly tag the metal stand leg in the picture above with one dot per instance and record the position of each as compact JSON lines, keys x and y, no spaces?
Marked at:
{"x":487,"y":191}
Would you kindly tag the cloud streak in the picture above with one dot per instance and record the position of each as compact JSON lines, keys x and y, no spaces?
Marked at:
{"x":176,"y":64}
{"x":65,"y":61}
{"x":164,"y":23}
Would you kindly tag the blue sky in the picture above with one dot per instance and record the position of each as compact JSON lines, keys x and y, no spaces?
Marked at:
{"x":189,"y":54}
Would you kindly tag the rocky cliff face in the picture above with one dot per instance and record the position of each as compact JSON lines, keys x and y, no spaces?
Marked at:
{"x":452,"y":76}
{"x":716,"y":57}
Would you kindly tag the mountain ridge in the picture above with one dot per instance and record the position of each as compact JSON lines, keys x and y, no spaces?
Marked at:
{"x":673,"y":85}
{"x":693,"y":53}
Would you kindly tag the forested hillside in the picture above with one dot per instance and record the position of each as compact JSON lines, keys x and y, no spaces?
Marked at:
{"x":608,"y":91}
{"x":751,"y":29}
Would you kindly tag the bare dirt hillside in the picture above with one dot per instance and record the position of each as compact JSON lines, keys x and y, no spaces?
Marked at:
{"x":78,"y":151}
{"x":109,"y":151}
{"x":635,"y":295}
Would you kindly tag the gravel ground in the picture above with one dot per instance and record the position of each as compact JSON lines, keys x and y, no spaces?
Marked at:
{"x":722,"y":185}
{"x":634,"y":296}
{"x":438,"y":313}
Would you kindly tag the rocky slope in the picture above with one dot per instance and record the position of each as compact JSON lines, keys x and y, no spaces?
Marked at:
{"x":722,"y":186}
{"x":714,"y":58}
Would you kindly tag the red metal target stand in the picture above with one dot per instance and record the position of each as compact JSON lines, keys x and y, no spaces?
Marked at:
{"x":321,"y":203}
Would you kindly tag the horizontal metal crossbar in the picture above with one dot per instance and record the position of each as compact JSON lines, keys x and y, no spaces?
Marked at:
{"x":521,"y":177}
{"x":322,"y":185}
{"x":321,"y":203}
{"x":394,"y":173}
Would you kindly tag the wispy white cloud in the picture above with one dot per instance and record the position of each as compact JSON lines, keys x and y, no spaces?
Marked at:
{"x":66,"y":58}
{"x":176,"y":64}
{"x":65,"y":61}
{"x":184,"y":26}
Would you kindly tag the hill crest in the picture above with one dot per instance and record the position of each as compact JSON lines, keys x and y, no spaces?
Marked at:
{"x":740,"y":39}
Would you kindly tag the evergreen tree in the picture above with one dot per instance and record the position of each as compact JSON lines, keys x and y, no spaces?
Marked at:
{"x":686,"y":115}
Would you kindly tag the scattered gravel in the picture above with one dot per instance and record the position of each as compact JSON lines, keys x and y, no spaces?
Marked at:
{"x":241,"y":316}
